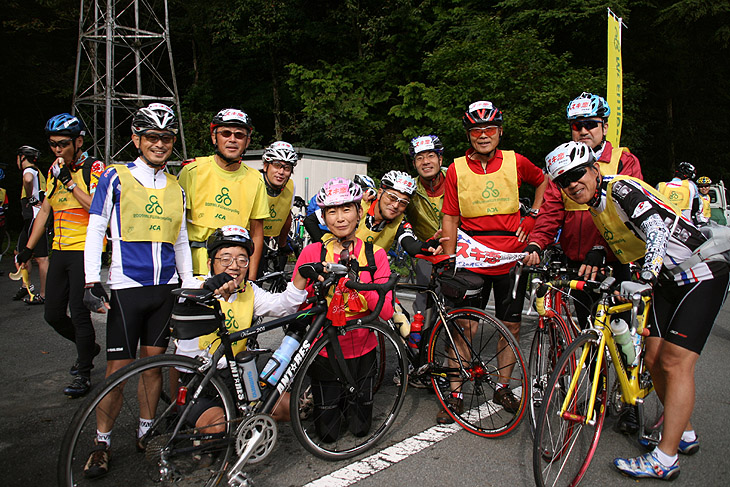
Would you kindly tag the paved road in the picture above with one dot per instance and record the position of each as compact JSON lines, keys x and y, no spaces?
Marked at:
{"x":35,"y":414}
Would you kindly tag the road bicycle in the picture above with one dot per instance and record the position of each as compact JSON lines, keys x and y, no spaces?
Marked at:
{"x":176,"y":451}
{"x":468,"y":352}
{"x":577,"y":397}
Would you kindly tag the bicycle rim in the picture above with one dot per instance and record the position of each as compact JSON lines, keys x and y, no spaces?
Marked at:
{"x":333,"y":423}
{"x":564,"y":446}
{"x":550,"y":341}
{"x":182,"y":456}
{"x":491,"y":356}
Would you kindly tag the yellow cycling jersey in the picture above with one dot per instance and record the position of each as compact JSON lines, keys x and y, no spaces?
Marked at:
{"x":496,"y":193}
{"x":149,"y":214}
{"x":279,"y":210}
{"x":677,"y":194}
{"x":239,"y":315}
{"x":424,"y":213}
{"x":623,"y":242}
{"x":706,"y":209}
{"x":609,"y":168}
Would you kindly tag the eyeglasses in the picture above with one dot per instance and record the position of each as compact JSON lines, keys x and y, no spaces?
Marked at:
{"x":571,"y":176}
{"x":155,"y":138}
{"x":281,"y":165}
{"x":227,"y":260}
{"x":345,"y":254}
{"x":394,"y":198}
{"x":587,"y":124}
{"x":225,"y":133}
{"x":479,"y":131}
{"x":63,"y":143}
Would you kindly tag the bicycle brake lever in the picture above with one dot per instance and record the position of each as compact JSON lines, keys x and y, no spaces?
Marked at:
{"x":518,"y":274}
{"x":533,"y":295}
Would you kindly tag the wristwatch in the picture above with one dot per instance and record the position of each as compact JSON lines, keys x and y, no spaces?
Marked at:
{"x":72,"y":187}
{"x":533,"y":212}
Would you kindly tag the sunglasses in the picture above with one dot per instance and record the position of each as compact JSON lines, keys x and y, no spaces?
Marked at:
{"x":228,"y":133}
{"x":63,"y":143}
{"x":392,"y":199}
{"x":587,"y":124}
{"x":571,"y":176}
{"x":281,"y":165}
{"x":227,"y":260}
{"x":155,"y":138}
{"x":479,"y":131}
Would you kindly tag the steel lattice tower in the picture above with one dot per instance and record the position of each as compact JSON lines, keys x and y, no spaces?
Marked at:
{"x":123,"y":62}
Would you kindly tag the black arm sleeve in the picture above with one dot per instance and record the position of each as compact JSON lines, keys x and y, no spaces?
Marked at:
{"x":311,"y":224}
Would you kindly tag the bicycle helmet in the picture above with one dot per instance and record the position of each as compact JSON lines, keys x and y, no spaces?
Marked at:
{"x":704,"y":181}
{"x":65,"y":124}
{"x":685,"y":170}
{"x":567,"y":157}
{"x":588,"y":105}
{"x":424,"y":143}
{"x":30,"y":153}
{"x":481,"y":112}
{"x":338,"y":191}
{"x":228,"y":236}
{"x":281,"y":151}
{"x":364,"y":181}
{"x":155,"y":116}
{"x":231,"y":117}
{"x":399,"y":181}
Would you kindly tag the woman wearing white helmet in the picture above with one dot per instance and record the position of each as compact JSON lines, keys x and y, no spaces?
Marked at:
{"x":642,"y":225}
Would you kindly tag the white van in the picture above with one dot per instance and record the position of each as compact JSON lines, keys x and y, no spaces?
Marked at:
{"x":718,"y":204}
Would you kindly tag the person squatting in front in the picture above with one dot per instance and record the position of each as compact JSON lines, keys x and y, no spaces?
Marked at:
{"x":71,"y":183}
{"x":144,"y":207}
{"x":482,"y":199}
{"x":340,"y":199}
{"x":647,"y":228}
{"x":229,"y":252}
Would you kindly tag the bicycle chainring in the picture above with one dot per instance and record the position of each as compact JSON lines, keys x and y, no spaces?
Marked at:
{"x":258,"y":423}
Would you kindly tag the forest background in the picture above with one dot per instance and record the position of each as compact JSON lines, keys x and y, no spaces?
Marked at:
{"x":364,"y":77}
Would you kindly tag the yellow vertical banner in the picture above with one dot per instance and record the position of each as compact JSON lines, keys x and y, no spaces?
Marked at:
{"x":615,"y":82}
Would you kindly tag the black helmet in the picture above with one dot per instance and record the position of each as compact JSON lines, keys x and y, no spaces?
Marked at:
{"x":30,"y":153}
{"x":481,"y":112}
{"x":155,"y":116}
{"x":228,"y":236}
{"x":231,"y":117}
{"x":685,"y":170}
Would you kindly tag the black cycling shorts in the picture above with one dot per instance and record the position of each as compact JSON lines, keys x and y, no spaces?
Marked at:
{"x":138,"y":315}
{"x":506,"y":308}
{"x":685,"y":314}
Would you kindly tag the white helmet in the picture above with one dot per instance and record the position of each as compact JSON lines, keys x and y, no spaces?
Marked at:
{"x":568,"y":156}
{"x":399,"y":181}
{"x":281,"y":151}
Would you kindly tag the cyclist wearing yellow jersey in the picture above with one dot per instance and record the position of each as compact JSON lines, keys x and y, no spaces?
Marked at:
{"x":71,"y":183}
{"x":279,"y":159}
{"x":682,"y":193}
{"x":32,"y":194}
{"x":642,"y":225}
{"x":222,"y":190}
{"x":703,"y":186}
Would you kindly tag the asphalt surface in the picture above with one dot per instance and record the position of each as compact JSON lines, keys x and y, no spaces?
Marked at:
{"x":35,"y":415}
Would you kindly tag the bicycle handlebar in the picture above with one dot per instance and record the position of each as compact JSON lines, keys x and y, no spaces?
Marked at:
{"x":381,"y":289}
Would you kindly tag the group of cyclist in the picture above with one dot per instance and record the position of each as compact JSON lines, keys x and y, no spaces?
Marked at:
{"x":211,"y":222}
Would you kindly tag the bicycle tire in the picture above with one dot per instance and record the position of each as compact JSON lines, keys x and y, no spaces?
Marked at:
{"x":551,"y":339}
{"x":563,"y":447}
{"x":307,"y":416}
{"x":480,"y":415}
{"x":128,"y":466}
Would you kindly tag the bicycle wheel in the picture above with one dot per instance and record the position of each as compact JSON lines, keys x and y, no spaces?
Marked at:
{"x":164,"y":459}
{"x":564,"y":444}
{"x":334,"y":423}
{"x":551,"y":339}
{"x":490,"y":356}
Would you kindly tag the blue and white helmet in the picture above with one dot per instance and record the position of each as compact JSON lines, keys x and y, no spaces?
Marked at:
{"x":588,"y":105}
{"x":65,"y":124}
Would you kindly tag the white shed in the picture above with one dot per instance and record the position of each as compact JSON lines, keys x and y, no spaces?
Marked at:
{"x":316,"y":167}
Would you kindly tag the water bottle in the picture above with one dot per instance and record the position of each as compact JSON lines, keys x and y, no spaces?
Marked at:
{"x":414,"y":337}
{"x":278,"y":362}
{"x":249,"y":375}
{"x":622,"y":336}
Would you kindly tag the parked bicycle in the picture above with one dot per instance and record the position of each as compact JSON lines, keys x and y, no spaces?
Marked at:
{"x":468,"y":353}
{"x":577,"y":397}
{"x":176,"y":451}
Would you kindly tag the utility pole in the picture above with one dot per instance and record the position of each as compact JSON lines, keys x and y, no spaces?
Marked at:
{"x":123,"y":62}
